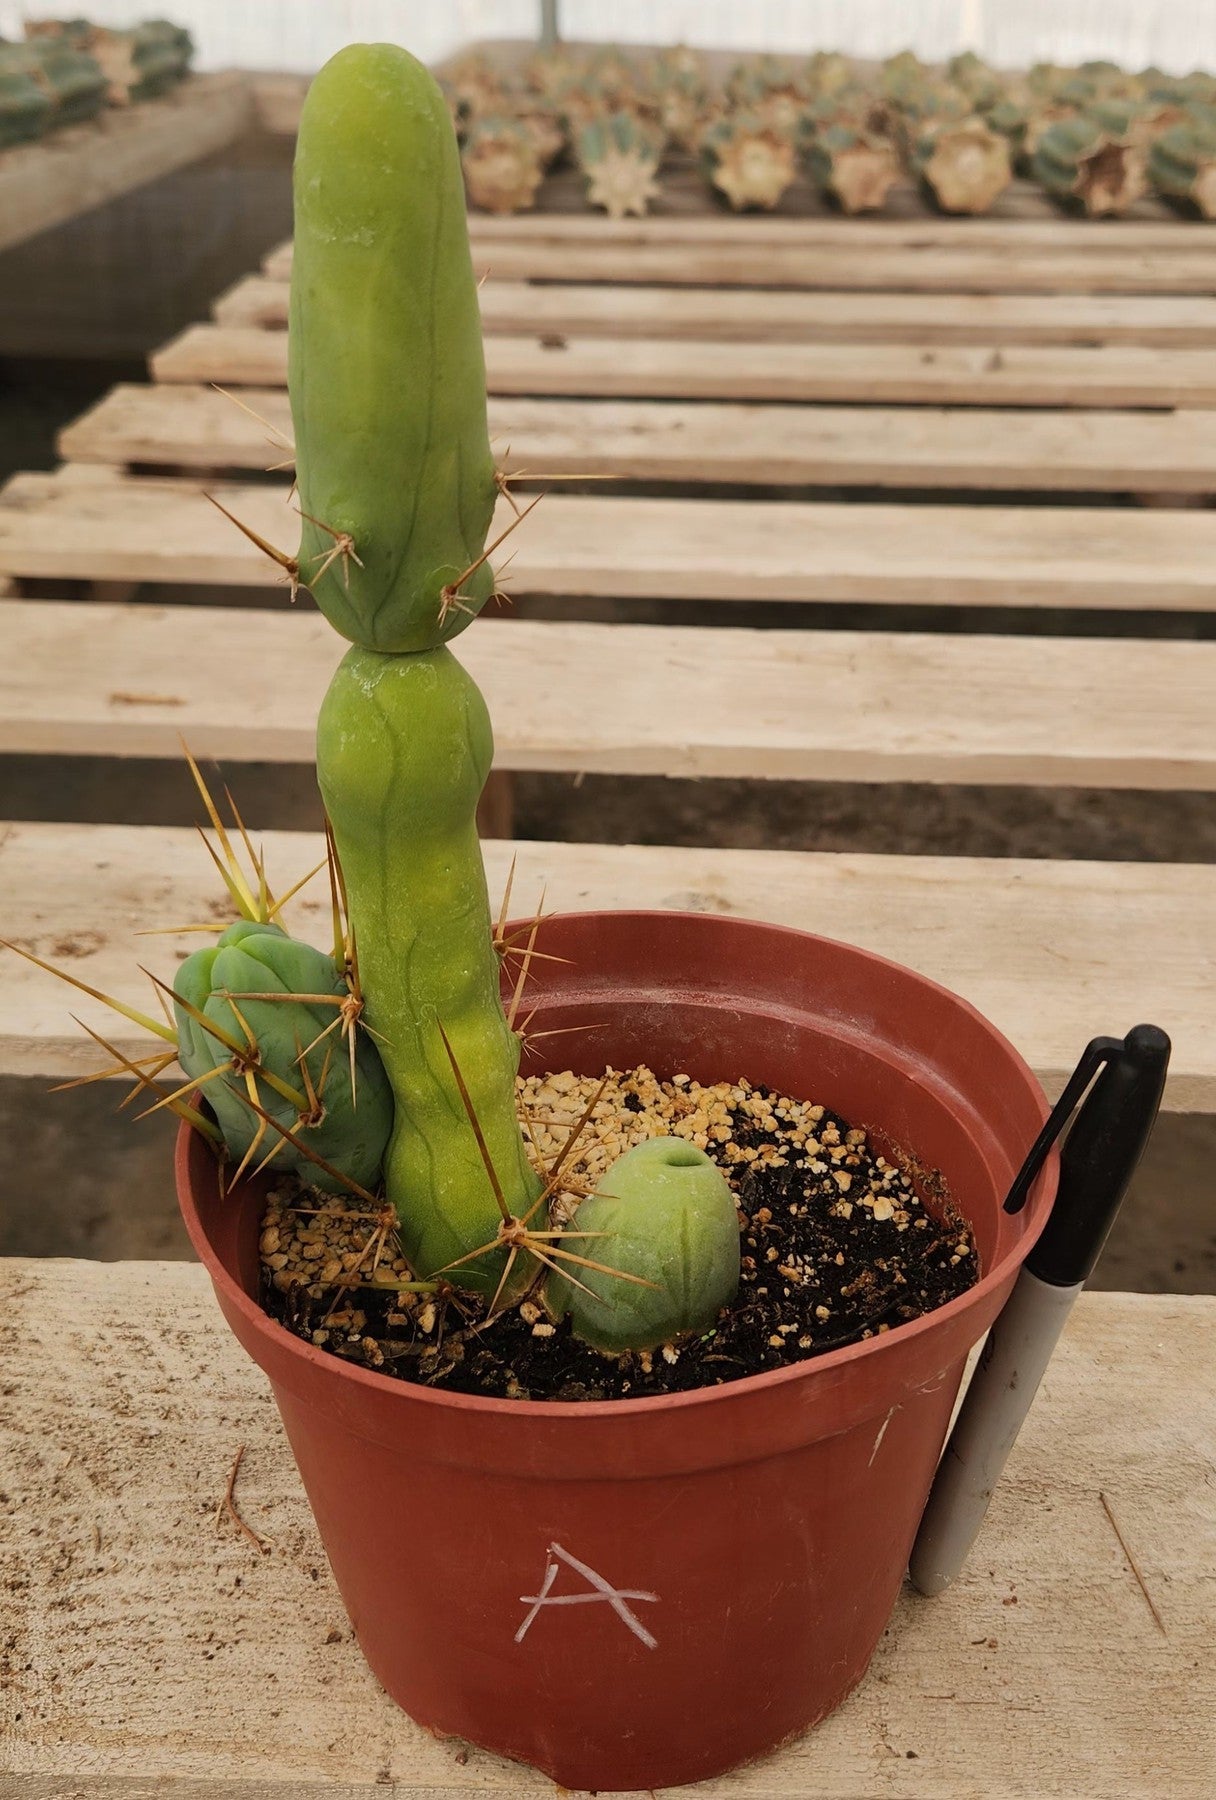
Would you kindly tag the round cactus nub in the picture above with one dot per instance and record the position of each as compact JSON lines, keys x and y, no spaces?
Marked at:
{"x":271,"y":1037}
{"x":667,"y":1236}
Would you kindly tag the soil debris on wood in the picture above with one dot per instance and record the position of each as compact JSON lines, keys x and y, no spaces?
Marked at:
{"x":836,"y":1246}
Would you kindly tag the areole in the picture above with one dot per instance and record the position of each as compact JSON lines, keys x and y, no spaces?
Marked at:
{"x":635,"y":1594}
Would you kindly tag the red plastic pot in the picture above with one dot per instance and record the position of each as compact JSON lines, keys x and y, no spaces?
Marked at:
{"x":713,"y":1569}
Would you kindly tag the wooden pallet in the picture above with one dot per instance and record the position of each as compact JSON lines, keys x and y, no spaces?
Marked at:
{"x":645,"y":699}
{"x":155,"y":1651}
{"x":1052,"y":951}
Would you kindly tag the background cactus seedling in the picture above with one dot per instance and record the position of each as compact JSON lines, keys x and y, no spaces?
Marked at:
{"x":750,"y":162}
{"x":1182,"y":166}
{"x":966,"y":166}
{"x":1083,"y":163}
{"x":854,"y":167}
{"x":619,"y":157}
{"x":503,"y":166}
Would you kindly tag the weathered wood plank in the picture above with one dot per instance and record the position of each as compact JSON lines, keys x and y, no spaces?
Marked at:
{"x":157,"y":1654}
{"x":769,"y":316}
{"x":926,"y":233}
{"x":83,"y":166}
{"x":147,"y":529}
{"x":1052,"y":952}
{"x":629,"y":699}
{"x":753,"y":444}
{"x":683,"y":369}
{"x":837,"y":263}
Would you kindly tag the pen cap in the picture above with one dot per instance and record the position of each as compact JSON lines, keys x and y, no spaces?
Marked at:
{"x":1100,"y":1156}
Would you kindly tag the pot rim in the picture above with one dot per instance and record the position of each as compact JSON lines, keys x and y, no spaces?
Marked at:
{"x":1035,"y":1214}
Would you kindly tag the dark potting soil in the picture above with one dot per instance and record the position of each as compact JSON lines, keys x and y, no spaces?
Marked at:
{"x":836,"y":1246}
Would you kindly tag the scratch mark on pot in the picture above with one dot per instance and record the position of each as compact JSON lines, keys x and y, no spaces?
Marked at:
{"x":600,"y":1589}
{"x":882,"y":1432}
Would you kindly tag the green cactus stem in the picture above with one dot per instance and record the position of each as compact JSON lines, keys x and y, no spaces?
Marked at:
{"x":1084,"y":165}
{"x":750,"y":162}
{"x":503,"y":166}
{"x":663,"y":1216}
{"x":385,"y":370}
{"x":253,"y":1024}
{"x":965,"y":167}
{"x":853,"y":167}
{"x":388,"y":395}
{"x":619,"y":159}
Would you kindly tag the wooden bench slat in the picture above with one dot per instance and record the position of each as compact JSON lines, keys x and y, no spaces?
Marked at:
{"x":84,"y":166}
{"x":224,"y":1675}
{"x":636,"y":699}
{"x":772,"y":317}
{"x":1051,"y":951}
{"x":682,"y":369}
{"x":113,"y":527}
{"x":927,"y":233}
{"x":641,"y":440}
{"x":836,"y":263}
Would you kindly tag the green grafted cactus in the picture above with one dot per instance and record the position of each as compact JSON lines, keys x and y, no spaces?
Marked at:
{"x":619,"y":158}
{"x":1182,"y":167}
{"x":287,"y":1054}
{"x":503,"y":163}
{"x":25,"y":106}
{"x":855,"y":167}
{"x":1091,"y":164}
{"x":964,"y":165}
{"x":388,"y":396}
{"x":663,"y":1215}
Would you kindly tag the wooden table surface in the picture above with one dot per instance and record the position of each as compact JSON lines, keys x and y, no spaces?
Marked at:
{"x":151,"y":1651}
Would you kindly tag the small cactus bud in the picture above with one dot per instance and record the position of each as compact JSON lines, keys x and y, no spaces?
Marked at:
{"x":668,"y":1219}
{"x":297,"y":1045}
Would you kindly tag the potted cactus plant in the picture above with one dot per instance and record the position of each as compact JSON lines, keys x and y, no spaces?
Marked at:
{"x":649,"y":1587}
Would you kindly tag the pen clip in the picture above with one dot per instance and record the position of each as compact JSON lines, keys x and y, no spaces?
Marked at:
{"x":1096,"y":1054}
